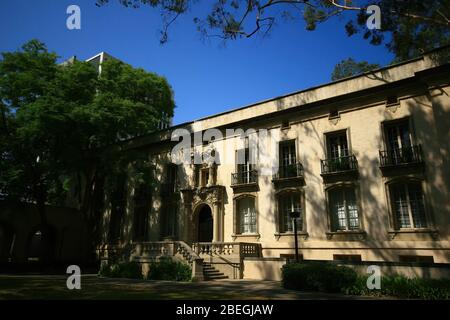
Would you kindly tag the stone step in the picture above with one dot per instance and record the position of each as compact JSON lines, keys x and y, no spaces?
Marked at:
{"x":210,"y":273}
{"x":218,"y":277}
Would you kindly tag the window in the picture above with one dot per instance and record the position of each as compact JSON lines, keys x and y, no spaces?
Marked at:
{"x":245,"y":169}
{"x":287,"y":203}
{"x":246,"y":215}
{"x":343,"y":209}
{"x":397,"y":135}
{"x":142,"y":202}
{"x":287,"y":152}
{"x":408,"y":205}
{"x":337,"y":145}
{"x":204,"y":177}
{"x":288,"y":160}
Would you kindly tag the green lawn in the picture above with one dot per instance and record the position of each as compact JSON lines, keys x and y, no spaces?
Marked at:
{"x":93,"y":287}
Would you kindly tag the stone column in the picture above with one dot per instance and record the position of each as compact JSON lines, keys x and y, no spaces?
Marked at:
{"x":216,"y":221}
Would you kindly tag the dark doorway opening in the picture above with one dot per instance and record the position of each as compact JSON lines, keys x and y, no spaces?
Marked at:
{"x":205,"y":224}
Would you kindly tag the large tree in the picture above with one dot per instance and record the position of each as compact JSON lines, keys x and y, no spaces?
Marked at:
{"x":408,"y":28}
{"x":62,"y":126}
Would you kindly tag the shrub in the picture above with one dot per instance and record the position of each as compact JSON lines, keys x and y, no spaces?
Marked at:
{"x":403,"y":287}
{"x":167,"y":269}
{"x":318,"y":276}
{"x":131,"y":270}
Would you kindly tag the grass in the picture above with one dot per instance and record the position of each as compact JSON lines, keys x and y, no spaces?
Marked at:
{"x":95,"y":288}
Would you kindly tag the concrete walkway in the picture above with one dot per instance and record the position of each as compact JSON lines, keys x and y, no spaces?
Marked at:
{"x":93,"y":287}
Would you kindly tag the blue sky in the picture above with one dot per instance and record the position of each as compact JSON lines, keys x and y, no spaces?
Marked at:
{"x":207,"y":78}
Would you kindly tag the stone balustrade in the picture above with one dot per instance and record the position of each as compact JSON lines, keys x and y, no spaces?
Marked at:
{"x":228,"y":255}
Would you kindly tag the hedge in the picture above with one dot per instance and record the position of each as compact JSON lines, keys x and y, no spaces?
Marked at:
{"x":164,"y":269}
{"x":131,"y":270}
{"x":168,"y":269}
{"x":317,"y":276}
{"x":327,"y":277}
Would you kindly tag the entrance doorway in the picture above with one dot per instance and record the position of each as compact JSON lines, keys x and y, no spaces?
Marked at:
{"x":205,"y":224}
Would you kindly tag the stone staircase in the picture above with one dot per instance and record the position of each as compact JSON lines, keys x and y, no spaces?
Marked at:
{"x":210,"y":273}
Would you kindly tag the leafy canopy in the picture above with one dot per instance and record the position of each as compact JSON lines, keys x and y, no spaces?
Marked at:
{"x":61,"y":123}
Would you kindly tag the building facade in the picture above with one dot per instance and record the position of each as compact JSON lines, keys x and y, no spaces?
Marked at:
{"x":363,"y":162}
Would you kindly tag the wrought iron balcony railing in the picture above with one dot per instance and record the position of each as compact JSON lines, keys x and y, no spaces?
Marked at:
{"x":401,"y":156}
{"x":294,"y":170}
{"x":338,"y":165}
{"x":244,"y":177}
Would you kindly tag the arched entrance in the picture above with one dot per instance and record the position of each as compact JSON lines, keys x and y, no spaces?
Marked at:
{"x":205,"y":224}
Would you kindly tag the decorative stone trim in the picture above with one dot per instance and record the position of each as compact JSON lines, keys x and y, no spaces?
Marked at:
{"x":302,"y":234}
{"x":414,"y":233}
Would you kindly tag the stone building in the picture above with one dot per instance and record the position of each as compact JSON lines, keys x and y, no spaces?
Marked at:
{"x":364,"y":161}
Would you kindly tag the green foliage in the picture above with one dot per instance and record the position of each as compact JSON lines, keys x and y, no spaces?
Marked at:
{"x":167,"y":269}
{"x":164,"y":269}
{"x":317,"y":276}
{"x":131,"y":270}
{"x":403,"y":287}
{"x":63,"y":126}
{"x":349,"y":67}
{"x":326,"y":277}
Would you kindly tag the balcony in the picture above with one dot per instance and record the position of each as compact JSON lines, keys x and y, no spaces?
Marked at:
{"x":341,"y":166}
{"x":244,"y":180}
{"x":244,"y":177}
{"x":398,"y":161}
{"x":401,"y":156}
{"x":287,"y":174}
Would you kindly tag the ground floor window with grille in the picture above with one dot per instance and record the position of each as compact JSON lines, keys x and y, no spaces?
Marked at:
{"x":407,"y":203}
{"x":343,"y":209}
{"x":246,"y":215}
{"x":287,"y":203}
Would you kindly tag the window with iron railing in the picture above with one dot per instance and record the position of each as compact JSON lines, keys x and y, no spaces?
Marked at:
{"x":341,"y":164}
{"x":289,"y":171}
{"x":399,"y":147}
{"x":246,"y":172}
{"x":401,"y":156}
{"x":244,"y":177}
{"x":288,"y":165}
{"x":338,"y":158}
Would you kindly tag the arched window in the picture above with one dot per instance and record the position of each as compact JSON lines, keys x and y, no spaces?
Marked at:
{"x":407,"y":204}
{"x":246,"y":215}
{"x":343,"y":209}
{"x":289,"y":202}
